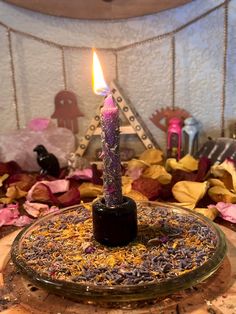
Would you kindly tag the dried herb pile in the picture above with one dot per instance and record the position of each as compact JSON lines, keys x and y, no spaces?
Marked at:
{"x":168,"y":245}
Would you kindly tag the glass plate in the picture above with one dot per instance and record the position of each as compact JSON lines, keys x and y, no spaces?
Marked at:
{"x":170,"y":226}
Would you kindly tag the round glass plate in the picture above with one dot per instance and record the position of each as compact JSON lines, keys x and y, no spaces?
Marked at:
{"x":175,"y":249}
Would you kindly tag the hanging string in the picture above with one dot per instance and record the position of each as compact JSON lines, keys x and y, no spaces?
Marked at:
{"x":13,"y":77}
{"x":116,"y":67}
{"x":173,"y":54}
{"x":122,"y":48}
{"x":63,"y":68}
{"x":224,"y":71}
{"x":175,"y":31}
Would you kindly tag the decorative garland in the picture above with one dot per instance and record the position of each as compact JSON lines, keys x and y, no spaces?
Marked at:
{"x":115,"y":51}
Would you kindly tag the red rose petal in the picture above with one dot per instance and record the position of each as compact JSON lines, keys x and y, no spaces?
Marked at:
{"x":10,"y":167}
{"x":148,"y":187}
{"x":70,"y":198}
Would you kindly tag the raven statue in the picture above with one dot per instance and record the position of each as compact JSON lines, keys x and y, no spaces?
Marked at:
{"x":47,"y":161}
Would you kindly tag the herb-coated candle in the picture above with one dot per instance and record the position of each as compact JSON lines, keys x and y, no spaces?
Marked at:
{"x":110,"y":137}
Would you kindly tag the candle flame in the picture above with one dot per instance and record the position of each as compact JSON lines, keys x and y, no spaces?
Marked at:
{"x":99,"y":85}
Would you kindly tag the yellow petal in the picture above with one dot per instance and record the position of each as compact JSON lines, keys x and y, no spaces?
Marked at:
{"x":188,"y":191}
{"x":187,"y":163}
{"x":226,"y":172}
{"x":210,"y":213}
{"x":126,"y":180}
{"x":152,"y":156}
{"x":137,"y":163}
{"x":172,"y":164}
{"x":3,"y":178}
{"x":221,"y":194}
{"x":137,"y":196}
{"x":90,"y":190}
{"x":126,"y":184}
{"x":216,"y":182}
{"x":14,"y":192}
{"x":165,"y":178}
{"x":6,"y":200}
{"x":157,"y":172}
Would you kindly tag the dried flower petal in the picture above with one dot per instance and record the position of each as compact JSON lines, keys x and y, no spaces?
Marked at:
{"x":126,"y":184}
{"x":56,"y":186}
{"x":38,"y":209}
{"x":188,"y":191}
{"x":6,"y":200}
{"x":42,"y":193}
{"x":157,"y":172}
{"x":221,"y":194}
{"x":227,"y":211}
{"x":187,"y":163}
{"x":147,"y":186}
{"x":8,"y":214}
{"x":81,"y":174}
{"x":22,"y":221}
{"x":152,"y":156}
{"x":210,"y":212}
{"x":136,"y":196}
{"x":3,"y":178}
{"x":216,"y":182}
{"x":226,"y":172}
{"x":135,"y":168}
{"x":10,"y":168}
{"x":23,"y":181}
{"x":90,"y":190}
{"x":14,"y":192}
{"x":204,"y":166}
{"x":70,"y":197}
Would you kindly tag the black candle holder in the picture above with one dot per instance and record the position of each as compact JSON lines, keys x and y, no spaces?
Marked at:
{"x":115,"y":226}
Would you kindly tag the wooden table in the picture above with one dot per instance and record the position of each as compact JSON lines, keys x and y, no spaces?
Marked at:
{"x":216,"y":295}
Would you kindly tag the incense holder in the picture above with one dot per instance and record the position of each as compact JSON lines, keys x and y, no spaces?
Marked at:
{"x":116,"y":225}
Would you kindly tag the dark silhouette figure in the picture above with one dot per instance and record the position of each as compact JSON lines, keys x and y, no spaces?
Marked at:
{"x":47,"y":161}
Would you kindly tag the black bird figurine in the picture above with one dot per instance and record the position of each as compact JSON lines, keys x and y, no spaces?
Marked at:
{"x":47,"y":161}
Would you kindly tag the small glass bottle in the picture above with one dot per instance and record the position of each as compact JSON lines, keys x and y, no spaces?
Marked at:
{"x":174,"y":138}
{"x":190,"y":136}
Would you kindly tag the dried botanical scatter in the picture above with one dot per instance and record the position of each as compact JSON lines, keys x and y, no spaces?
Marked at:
{"x":168,"y":245}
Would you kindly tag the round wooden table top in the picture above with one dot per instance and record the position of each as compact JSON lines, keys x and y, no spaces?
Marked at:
{"x":98,"y":9}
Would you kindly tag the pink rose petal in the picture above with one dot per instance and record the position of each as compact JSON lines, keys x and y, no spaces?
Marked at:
{"x":22,"y":221}
{"x":9,"y":214}
{"x":42,"y":193}
{"x":84,"y":174}
{"x":134,"y":173}
{"x":38,"y":209}
{"x":34,"y":209}
{"x":56,"y":186}
{"x":227,"y":211}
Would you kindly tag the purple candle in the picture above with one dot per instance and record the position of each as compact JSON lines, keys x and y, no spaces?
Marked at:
{"x":110,"y":137}
{"x":110,"y":152}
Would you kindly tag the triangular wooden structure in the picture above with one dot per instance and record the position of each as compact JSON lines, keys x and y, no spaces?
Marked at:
{"x":135,"y":125}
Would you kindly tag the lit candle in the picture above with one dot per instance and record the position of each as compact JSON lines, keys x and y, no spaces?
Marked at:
{"x":110,"y":136}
